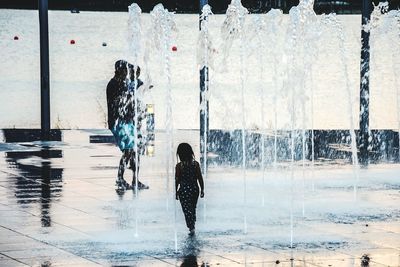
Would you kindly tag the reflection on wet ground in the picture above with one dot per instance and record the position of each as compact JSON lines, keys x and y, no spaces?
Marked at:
{"x":59,"y":207}
{"x":190,"y":253}
{"x":37,"y":181}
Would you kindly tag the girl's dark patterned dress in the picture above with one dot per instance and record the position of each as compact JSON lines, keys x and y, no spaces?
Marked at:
{"x":189,"y":190}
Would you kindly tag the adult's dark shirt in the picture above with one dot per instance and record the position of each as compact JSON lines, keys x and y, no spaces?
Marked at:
{"x":120,"y":102}
{"x":115,"y":89}
{"x":126,"y":110}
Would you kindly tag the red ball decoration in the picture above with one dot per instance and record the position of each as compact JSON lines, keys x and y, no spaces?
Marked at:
{"x":72,"y":42}
{"x":174,"y":48}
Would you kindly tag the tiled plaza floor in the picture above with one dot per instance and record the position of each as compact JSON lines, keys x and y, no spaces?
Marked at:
{"x":59,"y":207}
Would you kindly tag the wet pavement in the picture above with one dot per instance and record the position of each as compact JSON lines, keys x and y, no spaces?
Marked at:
{"x":59,"y":207}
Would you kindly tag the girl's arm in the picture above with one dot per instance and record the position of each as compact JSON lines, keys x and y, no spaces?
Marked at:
{"x":177,"y":180}
{"x":200,"y":178}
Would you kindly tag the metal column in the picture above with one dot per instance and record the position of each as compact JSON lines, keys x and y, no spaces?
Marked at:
{"x":44,"y":70}
{"x":364,"y":83}
{"x":204,"y":121}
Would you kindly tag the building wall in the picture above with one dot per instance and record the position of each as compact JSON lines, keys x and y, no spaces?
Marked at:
{"x":184,"y":6}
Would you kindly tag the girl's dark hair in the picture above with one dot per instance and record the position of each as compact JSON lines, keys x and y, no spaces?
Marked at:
{"x":185,"y":152}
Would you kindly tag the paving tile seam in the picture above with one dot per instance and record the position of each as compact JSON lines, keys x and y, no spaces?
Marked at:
{"x":67,"y":226}
{"x":160,"y":259}
{"x":23,"y":211}
{"x":22,"y":176}
{"x":91,"y":180}
{"x":385,"y":230}
{"x":1,"y":253}
{"x":49,"y":244}
{"x":387,"y":247}
{"x":111,"y":188}
{"x":371,"y":260}
{"x":88,"y":180}
{"x":283,"y":254}
{"x":351,"y":256}
{"x":223,"y":257}
{"x":270,"y":251}
{"x":308,"y":262}
{"x":127,"y":225}
{"x":259,"y":261}
{"x":315,"y":218}
{"x":41,"y":183}
{"x":349,"y":235}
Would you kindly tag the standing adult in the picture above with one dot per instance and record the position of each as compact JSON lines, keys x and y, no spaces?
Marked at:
{"x":121,"y":120}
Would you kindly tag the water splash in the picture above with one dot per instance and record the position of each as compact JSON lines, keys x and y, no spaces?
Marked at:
{"x":376,"y":15}
{"x":332,"y":20}
{"x":300,"y":41}
{"x":385,"y":27}
{"x":274,"y":20}
{"x":160,"y":39}
{"x":257,"y":39}
{"x":205,"y":55}
{"x":134,"y":33}
{"x":206,"y":51}
{"x":233,"y":29}
{"x":134,"y":41}
{"x":161,"y":35}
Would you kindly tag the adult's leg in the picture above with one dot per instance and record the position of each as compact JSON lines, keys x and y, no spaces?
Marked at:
{"x":134,"y":166}
{"x":122,"y":164}
{"x":135,"y":173}
{"x":128,"y":156}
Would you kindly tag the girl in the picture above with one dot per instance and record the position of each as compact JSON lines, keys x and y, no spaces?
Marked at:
{"x":187,"y":179}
